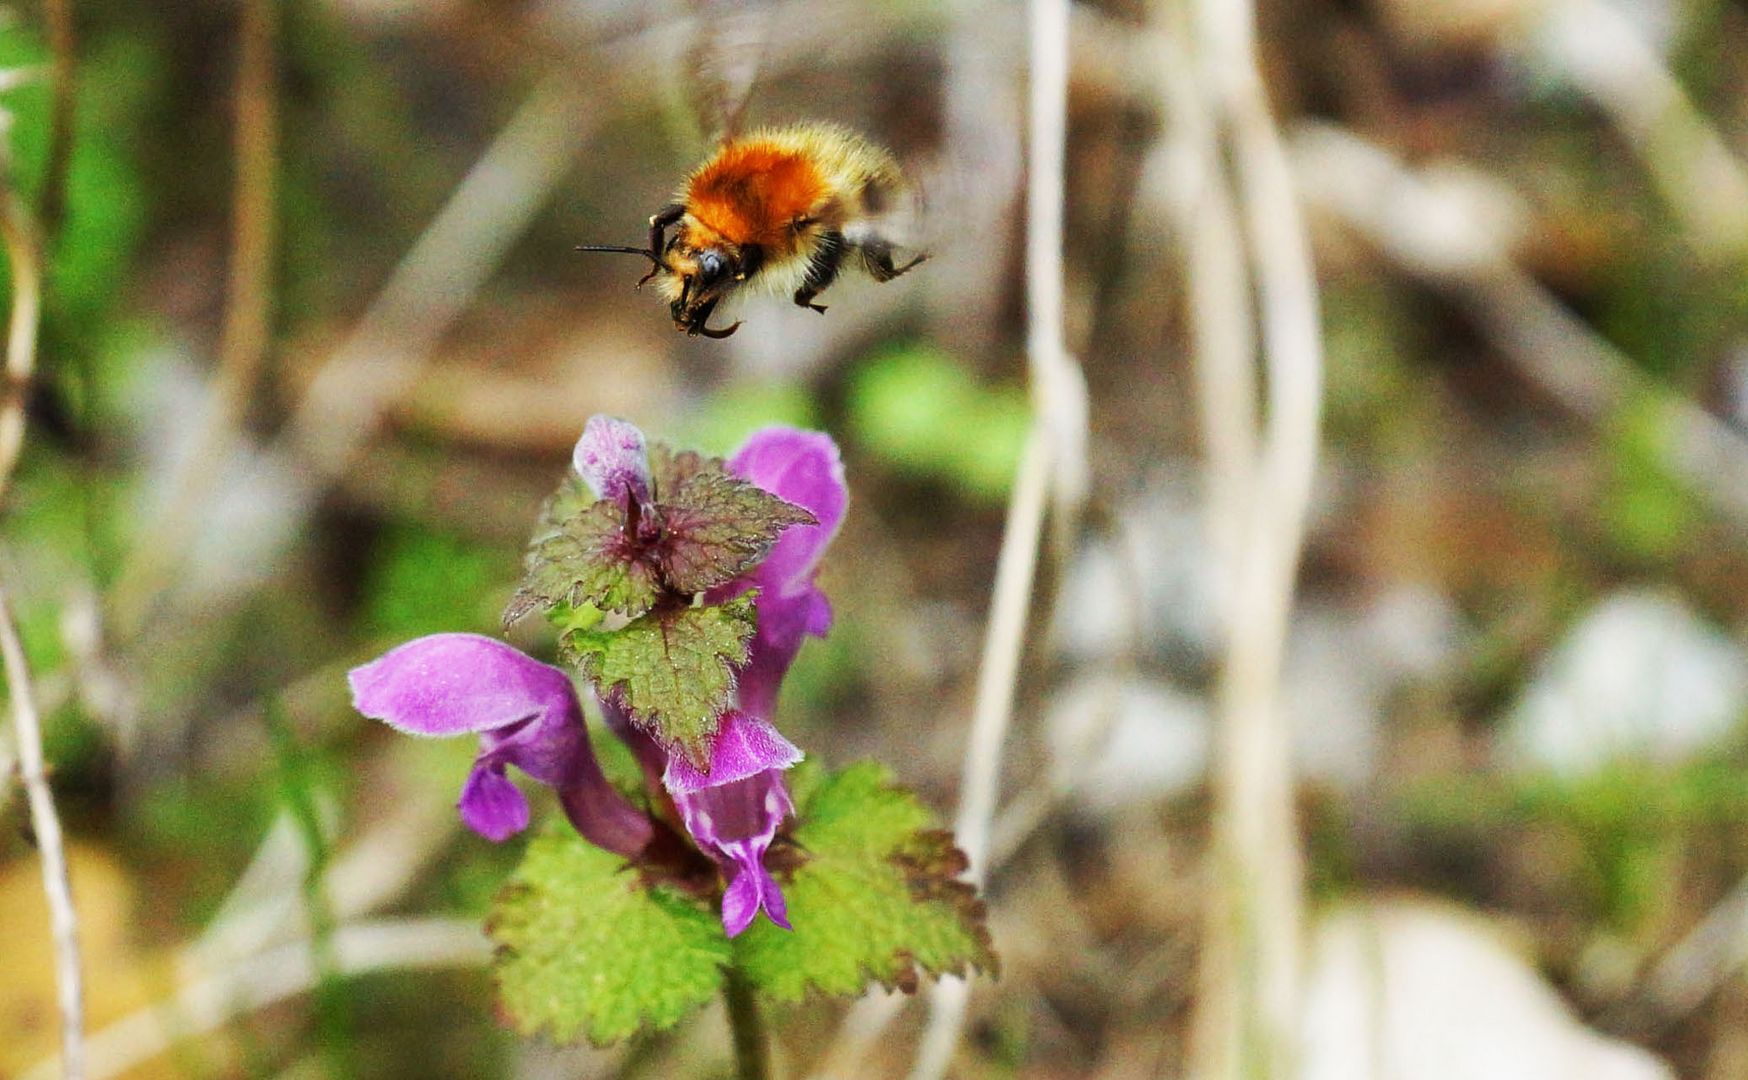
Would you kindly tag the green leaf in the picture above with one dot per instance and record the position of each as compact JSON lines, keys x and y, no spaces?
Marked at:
{"x":674,"y":668}
{"x":581,"y":555}
{"x":878,"y":897}
{"x":587,"y":949}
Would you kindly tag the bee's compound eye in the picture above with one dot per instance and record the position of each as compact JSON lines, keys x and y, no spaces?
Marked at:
{"x":711,"y":266}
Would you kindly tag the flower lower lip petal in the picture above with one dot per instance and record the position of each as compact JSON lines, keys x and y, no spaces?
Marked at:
{"x":491,"y":805}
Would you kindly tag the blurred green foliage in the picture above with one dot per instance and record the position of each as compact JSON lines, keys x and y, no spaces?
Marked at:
{"x":925,"y":413}
{"x":1647,"y":512}
{"x":423,"y":581}
{"x":737,"y":410}
{"x":1630,"y":822}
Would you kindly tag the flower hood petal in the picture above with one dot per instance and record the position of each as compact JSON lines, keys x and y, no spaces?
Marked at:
{"x":612,"y":460}
{"x":802,"y":467}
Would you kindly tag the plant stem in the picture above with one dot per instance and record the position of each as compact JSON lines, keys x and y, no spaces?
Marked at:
{"x":46,"y":822}
{"x":752,"y":1049}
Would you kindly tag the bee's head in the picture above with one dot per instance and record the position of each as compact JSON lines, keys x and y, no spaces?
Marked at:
{"x":698,"y":279}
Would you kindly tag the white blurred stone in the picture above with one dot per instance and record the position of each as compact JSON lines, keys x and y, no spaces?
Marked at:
{"x":1344,"y":663}
{"x":1115,"y":741}
{"x":255,"y":494}
{"x":1415,"y":992}
{"x":1641,"y":675}
{"x":1150,"y":582}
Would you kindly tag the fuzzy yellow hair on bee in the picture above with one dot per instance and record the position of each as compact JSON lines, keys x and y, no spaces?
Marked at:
{"x":782,"y":210}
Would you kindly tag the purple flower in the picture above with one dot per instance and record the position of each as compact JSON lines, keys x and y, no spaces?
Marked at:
{"x":525,"y":713}
{"x":733,"y":811}
{"x":801,"y":467}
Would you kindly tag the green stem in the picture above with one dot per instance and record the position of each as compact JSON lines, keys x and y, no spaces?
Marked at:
{"x":752,"y":1049}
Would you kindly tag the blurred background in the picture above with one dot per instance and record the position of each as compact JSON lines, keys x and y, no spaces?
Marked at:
{"x":315,"y":345}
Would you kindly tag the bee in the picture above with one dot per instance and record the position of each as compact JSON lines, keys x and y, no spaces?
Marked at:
{"x":782,"y":210}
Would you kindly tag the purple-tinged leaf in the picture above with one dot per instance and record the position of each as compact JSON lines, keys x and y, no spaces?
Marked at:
{"x":714,"y":526}
{"x":589,"y":557}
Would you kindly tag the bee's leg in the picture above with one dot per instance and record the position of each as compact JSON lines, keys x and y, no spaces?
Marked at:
{"x":658,"y":226}
{"x":702,"y":316}
{"x":877,"y":258}
{"x":822,"y":270}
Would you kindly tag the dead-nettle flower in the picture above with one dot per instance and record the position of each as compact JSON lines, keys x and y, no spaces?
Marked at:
{"x":525,"y":713}
{"x":728,"y":790}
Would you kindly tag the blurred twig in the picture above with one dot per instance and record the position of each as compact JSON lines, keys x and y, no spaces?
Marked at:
{"x":1247,"y":1003}
{"x":46,"y":823}
{"x":333,"y":1017}
{"x":1599,"y":47}
{"x":52,"y":199}
{"x":1054,"y":463}
{"x":1222,"y":337}
{"x":1711,"y":953}
{"x":24,"y":255}
{"x":363,"y":877}
{"x":442,"y":272}
{"x":208,"y":1003}
{"x":1003,"y":645}
{"x":1446,"y":228}
{"x":243,"y":341}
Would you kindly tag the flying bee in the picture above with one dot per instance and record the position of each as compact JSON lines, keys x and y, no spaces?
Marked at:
{"x":783,"y":210}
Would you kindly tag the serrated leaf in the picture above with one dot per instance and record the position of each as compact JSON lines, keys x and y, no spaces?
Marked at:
{"x":878,"y":897}
{"x":669,"y":468}
{"x":585,"y":559}
{"x":586,"y":949}
{"x":674,"y":669}
{"x":716,"y":525}
{"x":570,"y":498}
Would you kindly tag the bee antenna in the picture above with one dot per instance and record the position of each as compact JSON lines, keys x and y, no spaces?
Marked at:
{"x":645,"y":252}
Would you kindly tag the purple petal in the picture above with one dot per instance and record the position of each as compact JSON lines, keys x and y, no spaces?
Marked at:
{"x":753,"y":888}
{"x":610,"y":457}
{"x":491,"y":805}
{"x":525,"y":713}
{"x":452,"y":684}
{"x":783,"y":622}
{"x":734,"y":823}
{"x":802,"y":467}
{"x":745,"y":745}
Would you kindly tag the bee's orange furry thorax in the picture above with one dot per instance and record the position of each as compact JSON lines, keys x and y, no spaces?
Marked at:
{"x":752,"y":191}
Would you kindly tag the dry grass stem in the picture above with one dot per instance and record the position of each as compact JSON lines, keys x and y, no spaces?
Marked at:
{"x":244,"y":339}
{"x":1247,"y":1007}
{"x":205,"y":1004}
{"x":1450,"y":231}
{"x":24,"y":255}
{"x":1054,"y":462}
{"x":1003,"y":645}
{"x":46,"y":823}
{"x":24,"y":258}
{"x":1604,"y":52}
{"x":1222,"y":335}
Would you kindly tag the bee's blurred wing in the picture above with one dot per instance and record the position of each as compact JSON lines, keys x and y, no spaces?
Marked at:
{"x":724,"y":61}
